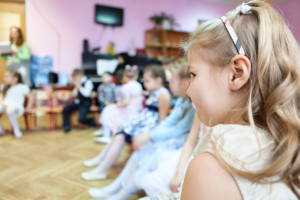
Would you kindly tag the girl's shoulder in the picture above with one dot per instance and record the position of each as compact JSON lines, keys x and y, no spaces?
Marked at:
{"x":25,"y":88}
{"x":132,"y":87}
{"x":135,"y":84}
{"x":240,"y":146}
{"x":160,"y":91}
{"x":163,"y":90}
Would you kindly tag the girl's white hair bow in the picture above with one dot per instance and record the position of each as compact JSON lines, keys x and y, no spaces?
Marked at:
{"x":244,"y":8}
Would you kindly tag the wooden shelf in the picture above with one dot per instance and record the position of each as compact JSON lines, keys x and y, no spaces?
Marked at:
{"x":163,"y":43}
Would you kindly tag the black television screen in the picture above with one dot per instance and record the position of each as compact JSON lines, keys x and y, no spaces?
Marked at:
{"x":108,"y":15}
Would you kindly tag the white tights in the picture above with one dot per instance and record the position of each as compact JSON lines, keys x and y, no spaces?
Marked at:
{"x":117,"y":190}
{"x":11,"y":112}
{"x":110,"y":154}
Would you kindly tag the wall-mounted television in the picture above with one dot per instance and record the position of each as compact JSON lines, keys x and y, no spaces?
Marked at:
{"x":107,"y":15}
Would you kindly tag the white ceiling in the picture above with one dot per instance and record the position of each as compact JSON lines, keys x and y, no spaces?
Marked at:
{"x":237,"y":2}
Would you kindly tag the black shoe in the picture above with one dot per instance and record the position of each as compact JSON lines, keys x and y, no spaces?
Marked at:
{"x":67,"y":130}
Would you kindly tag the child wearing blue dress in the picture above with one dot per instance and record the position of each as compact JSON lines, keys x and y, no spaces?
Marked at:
{"x":157,"y":108}
{"x":169,"y":135}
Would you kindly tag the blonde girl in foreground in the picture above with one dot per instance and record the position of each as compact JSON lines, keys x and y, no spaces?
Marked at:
{"x":249,"y":73}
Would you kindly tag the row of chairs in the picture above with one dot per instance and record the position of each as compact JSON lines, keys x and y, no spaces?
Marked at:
{"x":50,"y":104}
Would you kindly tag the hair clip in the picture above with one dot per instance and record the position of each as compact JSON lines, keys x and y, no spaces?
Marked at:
{"x":244,"y":8}
{"x":135,"y":67}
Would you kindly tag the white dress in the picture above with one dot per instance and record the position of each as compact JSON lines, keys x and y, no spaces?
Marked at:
{"x":238,"y":146}
{"x":15,"y":97}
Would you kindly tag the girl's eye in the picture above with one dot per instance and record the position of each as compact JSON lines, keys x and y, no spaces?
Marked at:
{"x":192,"y":74}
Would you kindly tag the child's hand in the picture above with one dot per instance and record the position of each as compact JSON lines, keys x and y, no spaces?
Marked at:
{"x":140,"y":140}
{"x":175,"y":183}
{"x":120,"y":104}
{"x":77,"y":85}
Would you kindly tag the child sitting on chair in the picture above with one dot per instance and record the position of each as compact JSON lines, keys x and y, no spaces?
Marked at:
{"x":12,"y":99}
{"x":82,"y":102}
{"x":115,"y":115}
{"x":106,"y":95}
{"x":106,"y":91}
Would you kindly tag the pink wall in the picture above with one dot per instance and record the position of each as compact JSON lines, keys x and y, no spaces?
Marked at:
{"x":291,"y":12}
{"x":58,"y":27}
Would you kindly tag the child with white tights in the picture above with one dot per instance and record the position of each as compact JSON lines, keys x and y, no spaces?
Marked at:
{"x":156,"y":110}
{"x":168,"y":136}
{"x":166,"y":180}
{"x":12,"y":99}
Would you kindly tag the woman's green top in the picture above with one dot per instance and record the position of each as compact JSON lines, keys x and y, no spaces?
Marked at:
{"x":22,"y":52}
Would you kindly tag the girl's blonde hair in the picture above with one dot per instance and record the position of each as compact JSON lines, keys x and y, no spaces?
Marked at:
{"x":273,"y":99}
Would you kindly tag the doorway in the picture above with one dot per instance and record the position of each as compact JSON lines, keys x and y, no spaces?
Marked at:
{"x":12,"y":13}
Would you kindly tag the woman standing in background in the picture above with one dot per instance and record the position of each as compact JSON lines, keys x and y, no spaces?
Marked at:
{"x":20,"y":54}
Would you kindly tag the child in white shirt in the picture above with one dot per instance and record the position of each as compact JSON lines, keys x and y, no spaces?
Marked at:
{"x":12,"y":99}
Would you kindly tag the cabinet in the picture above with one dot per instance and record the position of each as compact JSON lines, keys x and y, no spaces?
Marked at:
{"x":164,"y":43}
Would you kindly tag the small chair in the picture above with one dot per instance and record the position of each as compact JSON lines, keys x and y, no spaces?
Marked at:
{"x":58,"y":100}
{"x":94,"y":108}
{"x":42,"y":99}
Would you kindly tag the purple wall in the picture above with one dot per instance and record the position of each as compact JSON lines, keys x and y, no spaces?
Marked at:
{"x":291,"y":12}
{"x":58,"y":27}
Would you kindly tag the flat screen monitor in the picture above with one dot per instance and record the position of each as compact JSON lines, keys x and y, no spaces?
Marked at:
{"x":107,"y":15}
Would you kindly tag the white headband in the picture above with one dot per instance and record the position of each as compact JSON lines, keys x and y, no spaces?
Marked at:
{"x":233,"y":36}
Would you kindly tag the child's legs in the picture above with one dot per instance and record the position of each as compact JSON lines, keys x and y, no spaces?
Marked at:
{"x":128,"y":183}
{"x":106,"y":131}
{"x":11,"y":112}
{"x":68,"y":109}
{"x":115,"y":188}
{"x":112,"y":154}
{"x":126,"y":173}
{"x":158,"y":181}
{"x":84,"y":109}
{"x":101,"y":107}
{"x":103,"y":153}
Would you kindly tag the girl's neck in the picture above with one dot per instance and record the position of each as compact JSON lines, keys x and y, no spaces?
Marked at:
{"x":184,"y":96}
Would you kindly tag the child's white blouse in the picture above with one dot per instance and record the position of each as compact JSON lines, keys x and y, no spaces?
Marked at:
{"x":239,"y":147}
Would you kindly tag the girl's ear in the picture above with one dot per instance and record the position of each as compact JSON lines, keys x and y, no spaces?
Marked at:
{"x":239,"y":72}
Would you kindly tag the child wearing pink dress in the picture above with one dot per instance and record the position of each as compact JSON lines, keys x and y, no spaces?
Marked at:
{"x":115,"y":115}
